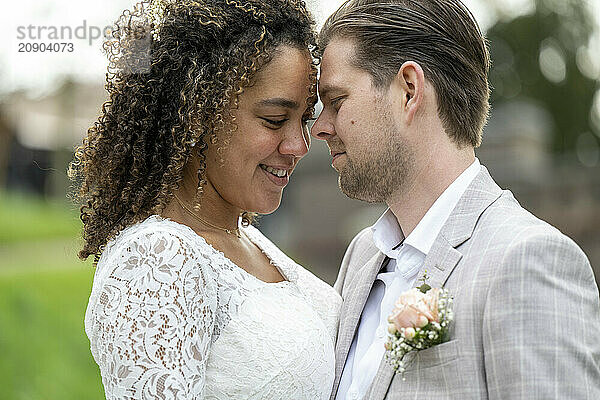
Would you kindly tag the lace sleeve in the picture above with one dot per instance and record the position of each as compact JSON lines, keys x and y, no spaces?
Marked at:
{"x":152,"y":317}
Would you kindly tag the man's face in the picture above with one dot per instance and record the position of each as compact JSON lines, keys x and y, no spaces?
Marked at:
{"x":361,"y":126}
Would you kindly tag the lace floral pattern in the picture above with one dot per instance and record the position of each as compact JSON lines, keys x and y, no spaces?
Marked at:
{"x":170,"y":317}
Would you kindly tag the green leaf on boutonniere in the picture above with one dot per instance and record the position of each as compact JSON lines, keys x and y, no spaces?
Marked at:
{"x":424,"y":288}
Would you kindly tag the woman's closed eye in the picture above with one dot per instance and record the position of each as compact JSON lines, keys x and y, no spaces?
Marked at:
{"x":274,"y":123}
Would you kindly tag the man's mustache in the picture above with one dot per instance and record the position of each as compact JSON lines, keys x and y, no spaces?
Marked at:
{"x":336,"y":146}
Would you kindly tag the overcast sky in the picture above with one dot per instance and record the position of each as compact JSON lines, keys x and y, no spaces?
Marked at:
{"x":40,"y":72}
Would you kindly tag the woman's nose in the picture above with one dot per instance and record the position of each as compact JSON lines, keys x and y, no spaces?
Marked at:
{"x":296,"y":142}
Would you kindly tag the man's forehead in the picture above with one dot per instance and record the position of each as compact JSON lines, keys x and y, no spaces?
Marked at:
{"x":339,"y":51}
{"x":336,"y":63}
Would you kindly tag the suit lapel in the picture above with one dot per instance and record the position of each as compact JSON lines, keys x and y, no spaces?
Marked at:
{"x":439,"y":263}
{"x":443,"y":256}
{"x":358,"y":292}
{"x":458,"y":228}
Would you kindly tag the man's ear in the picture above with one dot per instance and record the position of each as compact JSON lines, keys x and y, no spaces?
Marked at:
{"x":410,"y":83}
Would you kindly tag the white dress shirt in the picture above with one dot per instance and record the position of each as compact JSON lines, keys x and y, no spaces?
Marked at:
{"x":404,"y":260}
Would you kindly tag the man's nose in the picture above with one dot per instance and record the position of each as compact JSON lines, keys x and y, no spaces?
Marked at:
{"x":322,"y":128}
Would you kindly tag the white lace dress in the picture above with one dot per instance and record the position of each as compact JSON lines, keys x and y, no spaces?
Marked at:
{"x":170,"y":317}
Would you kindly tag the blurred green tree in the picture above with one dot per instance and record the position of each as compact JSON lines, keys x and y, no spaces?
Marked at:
{"x":543,"y":56}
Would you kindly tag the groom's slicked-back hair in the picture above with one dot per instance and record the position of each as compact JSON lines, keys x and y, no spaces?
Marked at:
{"x":442,"y":36}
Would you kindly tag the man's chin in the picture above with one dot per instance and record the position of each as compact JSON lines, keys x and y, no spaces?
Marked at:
{"x":356,"y":192}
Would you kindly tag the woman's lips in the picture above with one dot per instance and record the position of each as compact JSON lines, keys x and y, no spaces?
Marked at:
{"x":277,"y":180}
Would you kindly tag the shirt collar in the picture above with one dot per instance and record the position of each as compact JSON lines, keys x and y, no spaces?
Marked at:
{"x":387,"y":234}
{"x":427,"y":230}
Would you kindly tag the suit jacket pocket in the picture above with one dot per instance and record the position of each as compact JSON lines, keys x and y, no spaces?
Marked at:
{"x":432,"y":373}
{"x":443,"y":353}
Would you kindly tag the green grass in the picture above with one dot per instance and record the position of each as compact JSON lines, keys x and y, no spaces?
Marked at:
{"x":30,"y":218}
{"x":45,"y":353}
{"x":44,"y":289}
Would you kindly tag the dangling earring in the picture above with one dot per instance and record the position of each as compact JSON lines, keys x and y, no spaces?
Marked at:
{"x":201,"y":175}
{"x":199,"y":190}
{"x":201,"y":183}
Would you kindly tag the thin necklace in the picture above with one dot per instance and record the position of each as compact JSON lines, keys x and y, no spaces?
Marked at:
{"x":235,"y":231}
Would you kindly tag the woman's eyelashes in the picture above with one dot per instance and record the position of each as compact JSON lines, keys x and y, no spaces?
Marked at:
{"x":278,"y":123}
{"x":274,"y":123}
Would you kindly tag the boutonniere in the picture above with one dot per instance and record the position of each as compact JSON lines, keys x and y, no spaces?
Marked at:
{"x":420,"y":320}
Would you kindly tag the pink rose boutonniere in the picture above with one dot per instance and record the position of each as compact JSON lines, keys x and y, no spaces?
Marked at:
{"x":420,"y":320}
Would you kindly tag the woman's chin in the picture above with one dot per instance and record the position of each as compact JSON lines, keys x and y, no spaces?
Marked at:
{"x":266,"y":207}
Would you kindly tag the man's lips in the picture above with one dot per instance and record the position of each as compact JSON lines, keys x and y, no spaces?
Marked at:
{"x":336,"y":155}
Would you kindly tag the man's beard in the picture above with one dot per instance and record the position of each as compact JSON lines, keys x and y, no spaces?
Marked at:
{"x":379,"y":173}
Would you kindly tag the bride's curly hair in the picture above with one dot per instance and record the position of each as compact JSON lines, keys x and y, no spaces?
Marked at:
{"x":176,"y":69}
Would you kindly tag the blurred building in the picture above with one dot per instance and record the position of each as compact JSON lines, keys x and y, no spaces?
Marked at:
{"x":38,"y":136}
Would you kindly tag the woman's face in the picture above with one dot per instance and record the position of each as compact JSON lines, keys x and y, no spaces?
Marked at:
{"x":270,"y":139}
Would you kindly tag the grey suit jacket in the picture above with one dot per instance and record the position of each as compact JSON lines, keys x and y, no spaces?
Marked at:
{"x":526,"y":308}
